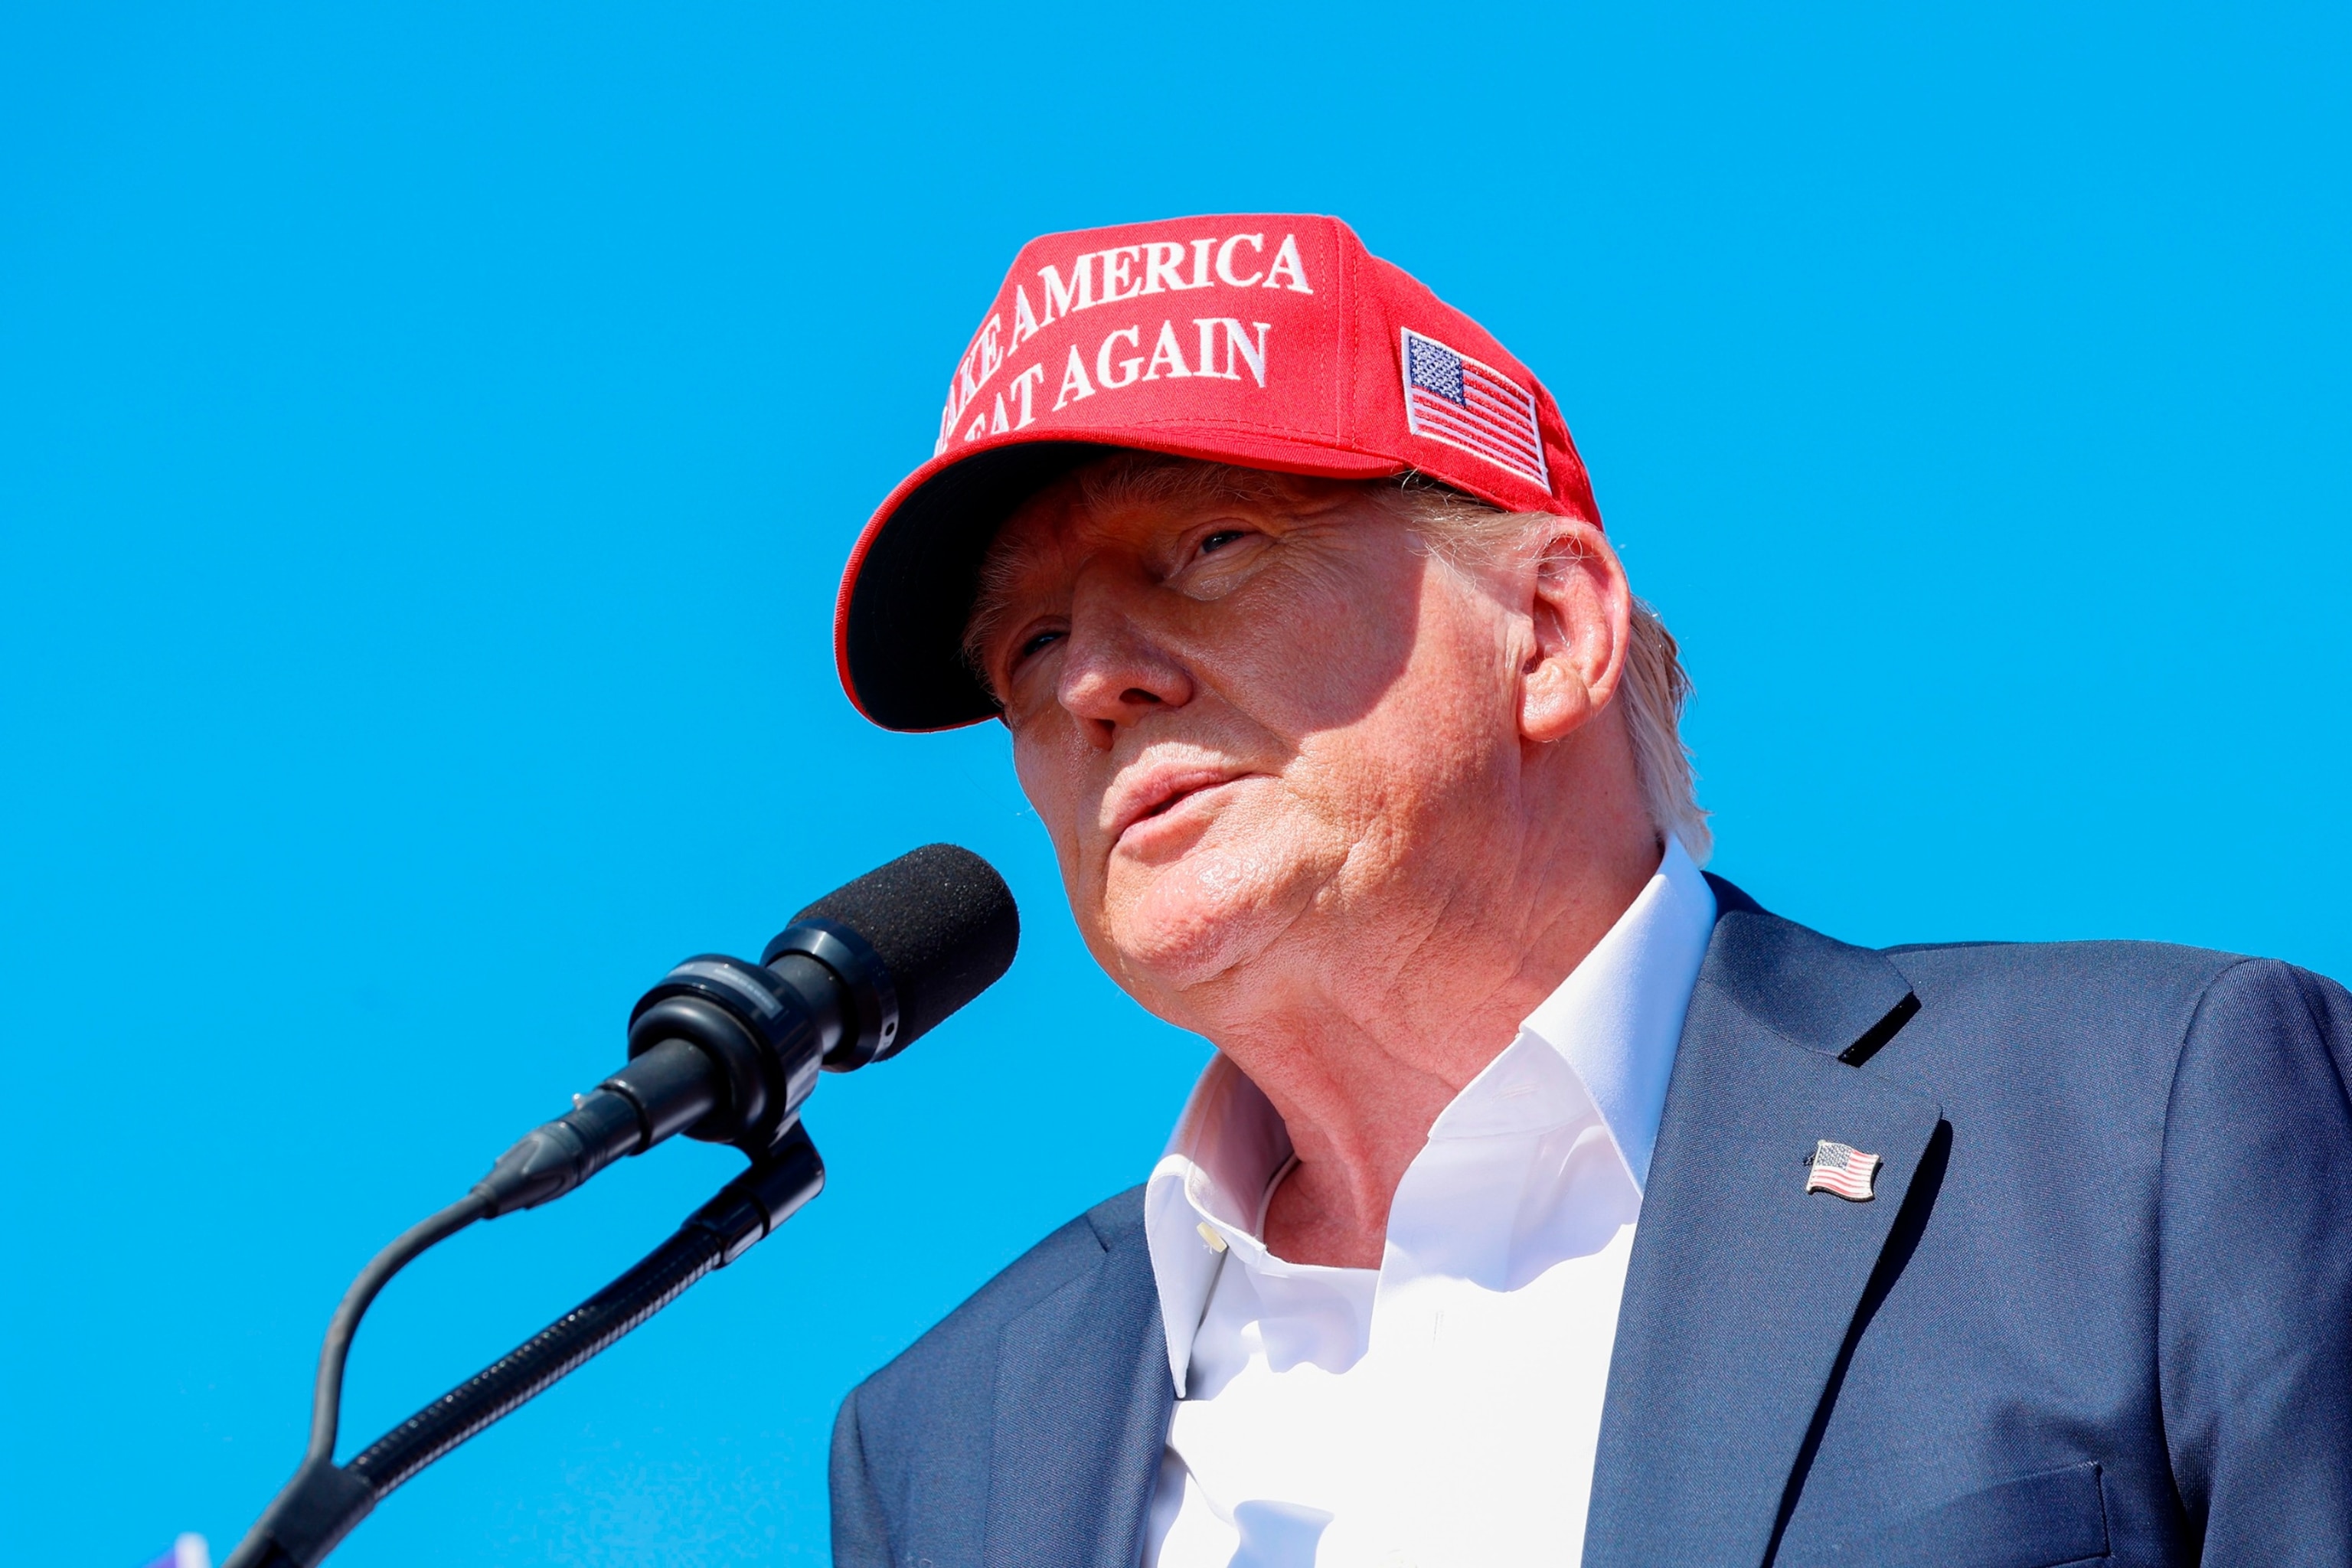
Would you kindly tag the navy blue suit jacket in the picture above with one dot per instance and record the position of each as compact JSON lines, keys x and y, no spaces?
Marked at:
{"x":2099,"y":1311}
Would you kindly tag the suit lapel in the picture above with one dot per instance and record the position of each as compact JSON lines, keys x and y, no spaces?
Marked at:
{"x":1742,"y":1286}
{"x":1083,"y":1399}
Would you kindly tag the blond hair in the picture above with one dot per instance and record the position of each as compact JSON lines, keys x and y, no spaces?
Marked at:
{"x":1654,"y":687}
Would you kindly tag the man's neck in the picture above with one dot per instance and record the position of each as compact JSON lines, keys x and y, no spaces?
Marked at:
{"x":1359,"y":1077}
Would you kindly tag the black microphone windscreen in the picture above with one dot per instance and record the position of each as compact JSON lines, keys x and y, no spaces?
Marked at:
{"x":940,"y":918}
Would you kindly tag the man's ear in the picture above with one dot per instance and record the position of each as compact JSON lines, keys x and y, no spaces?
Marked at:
{"x":1581,"y":612}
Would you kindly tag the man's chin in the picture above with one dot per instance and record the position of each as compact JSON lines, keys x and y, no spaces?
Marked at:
{"x":1180,"y":926}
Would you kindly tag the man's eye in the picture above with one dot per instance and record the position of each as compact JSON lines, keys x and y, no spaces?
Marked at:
{"x":1037,"y":644}
{"x":1219,"y":539}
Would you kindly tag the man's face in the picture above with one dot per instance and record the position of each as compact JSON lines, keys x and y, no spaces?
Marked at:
{"x":1262,"y":729}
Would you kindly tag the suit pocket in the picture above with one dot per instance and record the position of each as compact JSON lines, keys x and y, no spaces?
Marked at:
{"x":2043,"y":1520}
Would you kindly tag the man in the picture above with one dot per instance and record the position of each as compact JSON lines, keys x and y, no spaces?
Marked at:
{"x":1546,"y":1198}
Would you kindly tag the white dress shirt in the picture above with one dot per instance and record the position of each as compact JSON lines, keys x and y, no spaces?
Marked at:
{"x":1443,"y":1409}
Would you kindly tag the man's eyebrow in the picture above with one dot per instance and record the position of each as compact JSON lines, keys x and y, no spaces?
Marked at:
{"x":1139,"y":479}
{"x":1001,"y":571}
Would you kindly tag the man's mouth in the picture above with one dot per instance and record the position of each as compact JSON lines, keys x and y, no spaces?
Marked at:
{"x":1155,"y":792}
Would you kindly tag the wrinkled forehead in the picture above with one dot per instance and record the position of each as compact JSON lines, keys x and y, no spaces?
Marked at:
{"x":1134,"y":499}
{"x":1127,"y":503}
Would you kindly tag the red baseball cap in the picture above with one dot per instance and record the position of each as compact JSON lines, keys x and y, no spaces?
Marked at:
{"x":1271,"y":341}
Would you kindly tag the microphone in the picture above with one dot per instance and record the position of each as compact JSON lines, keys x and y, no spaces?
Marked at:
{"x":721,"y":1049}
{"x":726,"y":1050}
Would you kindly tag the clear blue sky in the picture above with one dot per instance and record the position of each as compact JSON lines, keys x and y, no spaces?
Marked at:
{"x":429,"y":437}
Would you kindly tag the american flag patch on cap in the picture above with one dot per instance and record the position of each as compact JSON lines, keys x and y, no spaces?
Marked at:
{"x":1453,"y":398}
{"x":1843,"y":1169}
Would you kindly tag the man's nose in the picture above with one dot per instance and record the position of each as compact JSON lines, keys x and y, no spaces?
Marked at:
{"x":1115,"y":672}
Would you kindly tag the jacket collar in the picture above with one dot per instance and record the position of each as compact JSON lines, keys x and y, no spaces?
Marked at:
{"x":1743,"y":1288}
{"x":1739,"y":1298}
{"x":1082,"y":1405}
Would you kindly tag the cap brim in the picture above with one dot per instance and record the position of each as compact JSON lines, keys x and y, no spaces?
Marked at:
{"x":911,"y":585}
{"x":908,"y":595}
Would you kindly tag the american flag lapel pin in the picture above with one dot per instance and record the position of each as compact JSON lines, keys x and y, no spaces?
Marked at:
{"x":1843,"y":1169}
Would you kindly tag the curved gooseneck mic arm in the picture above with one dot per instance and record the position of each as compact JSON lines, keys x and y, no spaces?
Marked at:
{"x":324,"y":1502}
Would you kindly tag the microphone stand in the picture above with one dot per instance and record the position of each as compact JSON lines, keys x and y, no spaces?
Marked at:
{"x":324,"y":1500}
